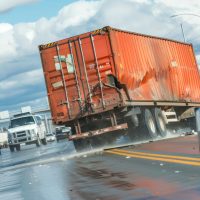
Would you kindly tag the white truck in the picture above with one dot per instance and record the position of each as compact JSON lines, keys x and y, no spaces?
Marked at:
{"x":26,"y":128}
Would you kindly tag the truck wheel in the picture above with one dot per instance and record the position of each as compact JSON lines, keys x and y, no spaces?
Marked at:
{"x":109,"y":139}
{"x":11,"y":147}
{"x":160,"y":122}
{"x":38,"y":143}
{"x":44,"y":141}
{"x":82,"y":145}
{"x":149,"y":124}
{"x":131,"y":132}
{"x":77,"y":145}
{"x":18,"y":147}
{"x":97,"y":142}
{"x":133,"y":123}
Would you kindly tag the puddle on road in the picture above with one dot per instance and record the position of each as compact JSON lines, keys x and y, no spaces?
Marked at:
{"x":122,"y":185}
{"x":41,"y":162}
{"x":100,"y":173}
{"x":60,"y":158}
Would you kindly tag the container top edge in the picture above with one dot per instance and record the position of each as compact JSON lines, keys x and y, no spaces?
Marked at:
{"x":108,"y":28}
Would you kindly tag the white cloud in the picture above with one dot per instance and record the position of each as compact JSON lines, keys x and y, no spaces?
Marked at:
{"x":22,"y":89}
{"x":19,"y":42}
{"x":7,"y":42}
{"x":23,"y":79}
{"x":17,"y":82}
{"x":75,"y":14}
{"x":6,"y":5}
{"x":23,"y":38}
{"x":5,"y":27}
{"x":184,"y":5}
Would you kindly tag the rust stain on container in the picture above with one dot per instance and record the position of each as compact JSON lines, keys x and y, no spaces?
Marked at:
{"x":80,"y":72}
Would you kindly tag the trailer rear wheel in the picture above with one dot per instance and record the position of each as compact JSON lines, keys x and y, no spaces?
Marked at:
{"x":149,"y":124}
{"x":44,"y":141}
{"x":103,"y":140}
{"x":11,"y":147}
{"x":18,"y":147}
{"x":160,"y":122}
{"x":82,"y":145}
{"x":133,"y":123}
{"x":109,"y":139}
{"x":77,"y":145}
{"x":97,"y":142}
{"x":132,"y":132}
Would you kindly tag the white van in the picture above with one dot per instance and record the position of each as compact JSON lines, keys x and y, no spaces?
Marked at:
{"x":26,"y":128}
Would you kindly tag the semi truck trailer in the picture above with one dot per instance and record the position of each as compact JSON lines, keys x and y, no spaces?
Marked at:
{"x":108,"y":82}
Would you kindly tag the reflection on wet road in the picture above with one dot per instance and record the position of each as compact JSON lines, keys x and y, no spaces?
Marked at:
{"x":55,"y":171}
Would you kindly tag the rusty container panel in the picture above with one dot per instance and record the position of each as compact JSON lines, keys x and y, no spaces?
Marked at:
{"x":156,"y":69}
{"x":76,"y":72}
{"x":98,"y":71}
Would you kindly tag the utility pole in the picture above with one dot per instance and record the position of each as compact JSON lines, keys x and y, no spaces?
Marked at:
{"x":184,"y":14}
{"x":183,"y":32}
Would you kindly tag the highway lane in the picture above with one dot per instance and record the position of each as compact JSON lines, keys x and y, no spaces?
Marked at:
{"x":123,"y":176}
{"x":161,"y":170}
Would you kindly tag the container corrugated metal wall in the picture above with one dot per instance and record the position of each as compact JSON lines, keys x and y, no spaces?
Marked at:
{"x":156,"y":69}
{"x":74,"y":84}
{"x":76,"y":71}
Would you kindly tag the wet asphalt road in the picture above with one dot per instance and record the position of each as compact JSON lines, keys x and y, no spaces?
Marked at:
{"x":56,"y":172}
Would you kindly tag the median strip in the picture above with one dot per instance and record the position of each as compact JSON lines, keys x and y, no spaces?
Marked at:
{"x":160,"y":155}
{"x":157,"y":157}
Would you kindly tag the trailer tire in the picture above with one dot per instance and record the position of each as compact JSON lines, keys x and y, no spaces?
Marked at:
{"x":109,"y":139}
{"x":11,"y":147}
{"x":149,"y":123}
{"x":160,"y":122}
{"x":133,"y":121}
{"x":97,"y":141}
{"x":82,"y":145}
{"x":44,"y":141}
{"x":18,"y":147}
{"x":78,"y":145}
{"x":133,"y":124}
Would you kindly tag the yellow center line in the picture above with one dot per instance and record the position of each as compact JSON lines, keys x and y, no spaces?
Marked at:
{"x":159,"y":155}
{"x":154,"y":158}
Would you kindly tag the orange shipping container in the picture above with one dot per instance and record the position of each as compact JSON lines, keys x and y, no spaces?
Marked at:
{"x":108,"y":68}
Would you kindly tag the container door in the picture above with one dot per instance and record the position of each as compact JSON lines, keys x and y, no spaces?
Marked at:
{"x":73,"y":88}
{"x":91,"y":74}
{"x":95,"y":60}
{"x":76,"y":73}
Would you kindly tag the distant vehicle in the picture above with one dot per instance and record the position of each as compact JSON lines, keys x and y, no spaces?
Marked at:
{"x":62,"y":132}
{"x":50,"y":137}
{"x":26,"y":128}
{"x":3,"y":139}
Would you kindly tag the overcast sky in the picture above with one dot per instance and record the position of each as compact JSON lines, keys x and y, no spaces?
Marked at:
{"x":24,"y":24}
